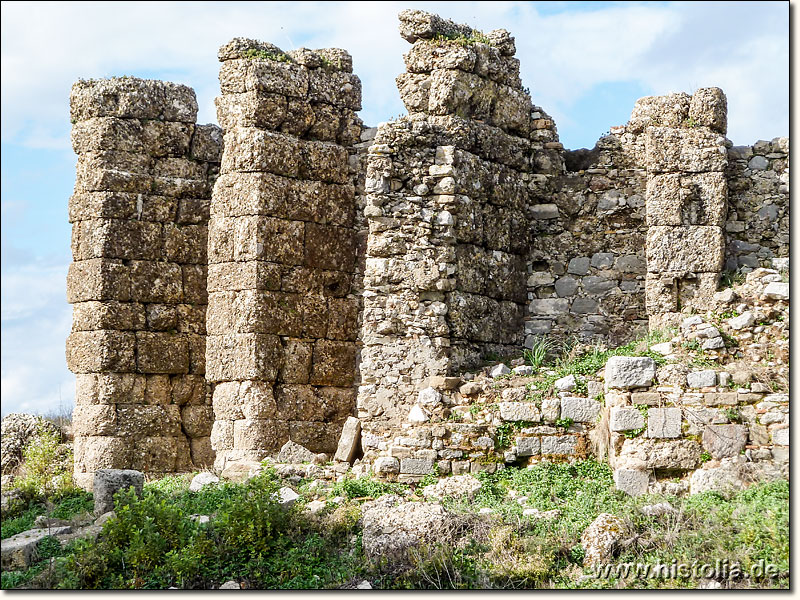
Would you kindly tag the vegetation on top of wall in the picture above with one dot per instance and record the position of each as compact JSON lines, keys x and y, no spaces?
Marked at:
{"x":476,"y":37}
{"x":256,"y":54}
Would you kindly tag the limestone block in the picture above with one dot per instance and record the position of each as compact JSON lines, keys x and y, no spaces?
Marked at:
{"x":425,"y":56}
{"x":670,"y":110}
{"x":120,"y":205}
{"x":132,"y":98}
{"x":625,"y":419}
{"x":781,"y":437}
{"x":528,"y":446}
{"x":196,"y":421}
{"x":162,"y":352}
{"x":724,"y":441}
{"x":159,"y":454}
{"x":323,"y":161}
{"x":343,"y":319}
{"x":94,"y":419}
{"x":628,"y":372}
{"x":156,"y":282}
{"x":669,"y":150}
{"x":329,"y":247}
{"x":631,"y":481}
{"x":722,"y":479}
{"x":549,"y":306}
{"x":663,"y":422}
{"x":111,"y":133}
{"x":109,"y":388}
{"x":108,"y":482}
{"x":251,"y":109}
{"x":416,"y":466}
{"x":258,"y":238}
{"x":333,"y":363}
{"x":646,"y":453}
{"x":263,"y":76}
{"x":87,"y":316}
{"x":701,"y":379}
{"x":98,"y":279}
{"x":148,"y":420}
{"x":20,"y":551}
{"x":243,"y":356}
{"x":519,"y":411}
{"x":96,"y":351}
{"x":251,"y":149}
{"x":101,"y":452}
{"x":709,"y":108}
{"x":349,"y":441}
{"x":386,"y":464}
{"x":338,"y":88}
{"x":580,"y":410}
{"x":259,"y":434}
{"x":251,"y":275}
{"x":776,"y":290}
{"x":316,"y":436}
{"x":207,"y":143}
{"x":685,"y":249}
{"x":698,"y":199}
{"x":201,"y":453}
{"x":559,"y":444}
{"x":222,"y":434}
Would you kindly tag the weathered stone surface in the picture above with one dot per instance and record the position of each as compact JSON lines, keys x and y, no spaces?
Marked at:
{"x":699,"y":249}
{"x":392,"y":528}
{"x":631,"y":481}
{"x":644,"y":453}
{"x":458,"y":486}
{"x":528,"y":446}
{"x":628,"y":372}
{"x":108,"y":482}
{"x":580,"y":410}
{"x":349,"y":442}
{"x":724,"y":441}
{"x":20,"y":551}
{"x":625,"y":418}
{"x":776,"y":290}
{"x":519,"y":411}
{"x":202,"y":480}
{"x":599,"y":539}
{"x":663,"y":422}
{"x":701,"y":379}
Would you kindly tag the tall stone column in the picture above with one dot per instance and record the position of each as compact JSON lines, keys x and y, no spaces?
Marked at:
{"x":138,"y":280}
{"x":447,"y":189}
{"x":282,"y":316}
{"x":687,"y":193}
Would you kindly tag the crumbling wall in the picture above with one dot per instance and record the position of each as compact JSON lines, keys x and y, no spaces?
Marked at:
{"x":587,"y":264}
{"x":282,"y":315}
{"x":687,"y":201}
{"x":757,"y":229}
{"x":447,"y":193}
{"x":138,"y":280}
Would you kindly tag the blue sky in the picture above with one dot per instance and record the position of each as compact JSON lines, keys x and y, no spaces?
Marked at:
{"x":585,"y":63}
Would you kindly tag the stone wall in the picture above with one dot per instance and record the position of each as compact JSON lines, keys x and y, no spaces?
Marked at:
{"x":757,"y":229}
{"x":138,"y":280}
{"x":447,"y":193}
{"x":282,"y":315}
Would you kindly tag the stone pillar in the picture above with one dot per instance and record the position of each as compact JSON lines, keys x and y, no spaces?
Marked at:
{"x":687,"y":191}
{"x":282,"y":316}
{"x":445,"y":273}
{"x":138,"y":280}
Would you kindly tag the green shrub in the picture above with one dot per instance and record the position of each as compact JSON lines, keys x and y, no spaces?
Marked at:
{"x":46,"y":466}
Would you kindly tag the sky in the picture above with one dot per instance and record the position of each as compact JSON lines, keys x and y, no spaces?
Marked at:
{"x":585,"y":63}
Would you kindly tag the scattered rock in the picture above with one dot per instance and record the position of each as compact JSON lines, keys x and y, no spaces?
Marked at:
{"x":701,"y":379}
{"x":599,"y":539}
{"x":631,"y":481}
{"x":429,"y":397}
{"x":294,"y":453}
{"x":663,"y":348}
{"x":458,"y":486}
{"x":523,"y":370}
{"x":201,"y":480}
{"x":565,"y":384}
{"x":417,"y":415}
{"x":364,"y":585}
{"x":391,"y":527}
{"x":230,"y":585}
{"x":315,"y":506}
{"x":539,"y":514}
{"x":499,"y":370}
{"x":724,"y":441}
{"x":776,"y":291}
{"x":19,"y":551}
{"x":743,"y":321}
{"x":287,"y":497}
{"x":657,"y":510}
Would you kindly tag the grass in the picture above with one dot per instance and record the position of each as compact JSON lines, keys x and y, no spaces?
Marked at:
{"x":152,"y":543}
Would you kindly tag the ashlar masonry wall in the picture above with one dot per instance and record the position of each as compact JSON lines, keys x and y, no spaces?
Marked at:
{"x":282,"y":316}
{"x":138,"y":280}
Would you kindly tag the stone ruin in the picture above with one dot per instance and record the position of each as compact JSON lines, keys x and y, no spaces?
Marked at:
{"x":239,"y":286}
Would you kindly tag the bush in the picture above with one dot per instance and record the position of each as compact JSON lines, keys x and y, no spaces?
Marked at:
{"x":46,"y":466}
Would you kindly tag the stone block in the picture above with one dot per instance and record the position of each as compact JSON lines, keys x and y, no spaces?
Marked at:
{"x":663,"y":422}
{"x":701,"y":379}
{"x":328,"y":247}
{"x":98,"y":279}
{"x":101,"y":452}
{"x":528,"y":446}
{"x":631,"y":481}
{"x":94,"y":419}
{"x":780,"y":436}
{"x":580,"y":410}
{"x":416,"y":466}
{"x":670,"y":150}
{"x":559,"y":444}
{"x":549,"y":306}
{"x":162,"y":352}
{"x":108,"y":482}
{"x":724,"y":441}
{"x":196,"y":421}
{"x":671,"y":110}
{"x":646,"y":453}
{"x":709,"y":108}
{"x":685,"y":249}
{"x":132,"y":98}
{"x":698,"y":199}
{"x":625,"y":418}
{"x":333,"y":363}
{"x":243,"y":356}
{"x":349,"y":440}
{"x":20,"y":551}
{"x":139,"y":420}
{"x":91,"y":315}
{"x":629,"y":372}
{"x":259,"y":434}
{"x":97,"y":351}
{"x":156,"y":282}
